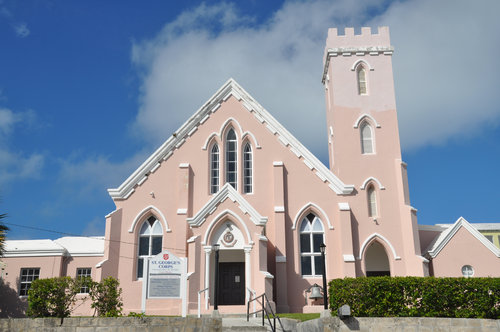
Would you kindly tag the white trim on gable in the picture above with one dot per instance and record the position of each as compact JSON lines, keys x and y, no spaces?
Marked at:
{"x":230,"y":88}
{"x":381,"y":237}
{"x":362,"y":117}
{"x":218,"y":218}
{"x":158,"y":214}
{"x":227,"y":191}
{"x":307,"y":206}
{"x":445,"y":237}
{"x":374,"y":179}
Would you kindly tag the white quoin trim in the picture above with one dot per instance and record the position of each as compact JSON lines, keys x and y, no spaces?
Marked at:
{"x":154,"y":211}
{"x":236,"y":219}
{"x":380,"y":237}
{"x":307,"y":206}
{"x":372,"y":179}
{"x":357,"y":63}
{"x":365,"y":116}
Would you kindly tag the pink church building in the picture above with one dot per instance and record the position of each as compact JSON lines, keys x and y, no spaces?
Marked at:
{"x":233,"y":175}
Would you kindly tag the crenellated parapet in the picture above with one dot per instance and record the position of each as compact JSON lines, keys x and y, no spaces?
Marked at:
{"x":351,"y":44}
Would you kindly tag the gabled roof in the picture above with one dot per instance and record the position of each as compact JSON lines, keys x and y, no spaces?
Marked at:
{"x":230,"y":88}
{"x":442,"y":240}
{"x":227,"y":191}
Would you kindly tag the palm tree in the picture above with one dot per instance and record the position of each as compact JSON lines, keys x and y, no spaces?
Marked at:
{"x":3,"y":230}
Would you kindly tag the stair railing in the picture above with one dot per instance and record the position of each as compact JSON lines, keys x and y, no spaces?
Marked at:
{"x":266,"y":311}
{"x":199,"y":301}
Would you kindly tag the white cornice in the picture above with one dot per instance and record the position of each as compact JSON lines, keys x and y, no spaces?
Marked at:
{"x":445,"y":237}
{"x":227,"y":191}
{"x":230,"y":88}
{"x":358,"y":51}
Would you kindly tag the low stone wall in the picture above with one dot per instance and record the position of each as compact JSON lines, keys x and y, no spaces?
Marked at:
{"x":119,"y":324}
{"x":394,"y":324}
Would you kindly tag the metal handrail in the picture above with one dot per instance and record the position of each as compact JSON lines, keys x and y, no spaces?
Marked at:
{"x":264,"y":310}
{"x":199,"y":300}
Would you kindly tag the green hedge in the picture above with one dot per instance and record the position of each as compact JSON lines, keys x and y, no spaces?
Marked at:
{"x":417,"y":296}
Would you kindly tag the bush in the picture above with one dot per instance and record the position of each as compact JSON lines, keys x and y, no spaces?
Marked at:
{"x":106,"y":297}
{"x":52,"y":297}
{"x":417,"y":296}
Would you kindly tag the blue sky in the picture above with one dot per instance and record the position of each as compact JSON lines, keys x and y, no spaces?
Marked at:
{"x":88,"y":89}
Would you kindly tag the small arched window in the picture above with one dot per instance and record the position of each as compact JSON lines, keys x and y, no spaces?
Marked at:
{"x":311,"y":237}
{"x":150,"y":242}
{"x":366,"y":139}
{"x":247,"y":168}
{"x":231,"y":158}
{"x":362,"y":86}
{"x":214,"y":169}
{"x":372,"y":201}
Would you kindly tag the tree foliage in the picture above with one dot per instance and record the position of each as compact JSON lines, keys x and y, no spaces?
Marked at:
{"x":417,"y":296}
{"x":53,"y":297}
{"x":106,"y":297}
{"x":3,"y":231}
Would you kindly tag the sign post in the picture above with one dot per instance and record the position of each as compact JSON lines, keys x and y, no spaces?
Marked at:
{"x":165,"y":277}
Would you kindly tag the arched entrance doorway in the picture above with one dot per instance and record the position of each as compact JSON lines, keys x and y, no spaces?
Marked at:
{"x":233,"y":261}
{"x":376,"y":261}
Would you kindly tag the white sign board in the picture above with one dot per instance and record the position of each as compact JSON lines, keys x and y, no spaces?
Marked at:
{"x":165,"y":277}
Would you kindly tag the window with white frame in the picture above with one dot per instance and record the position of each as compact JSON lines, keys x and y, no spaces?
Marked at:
{"x":366,"y":139}
{"x":150,"y":242}
{"x":372,"y":201}
{"x":86,"y":274}
{"x":231,"y":158}
{"x":311,"y":237}
{"x":467,"y":271}
{"x":247,"y":168}
{"x":362,"y":86}
{"x":214,"y":169}
{"x":28,"y":275}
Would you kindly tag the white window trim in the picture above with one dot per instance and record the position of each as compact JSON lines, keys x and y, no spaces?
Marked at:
{"x":243,"y":168}
{"x":311,"y":242}
{"x":212,"y":169}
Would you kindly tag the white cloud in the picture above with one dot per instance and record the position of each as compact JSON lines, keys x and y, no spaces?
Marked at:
{"x":95,"y":227}
{"x":21,"y":30}
{"x":16,"y":164}
{"x":92,"y":175}
{"x":443,"y":68}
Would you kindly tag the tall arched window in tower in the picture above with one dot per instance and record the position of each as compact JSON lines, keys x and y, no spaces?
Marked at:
{"x":214,"y":169}
{"x":362,"y":87}
{"x":150,"y":242}
{"x":231,"y":158}
{"x":311,"y":237}
{"x":247,"y":168}
{"x":372,"y":201}
{"x":366,"y":139}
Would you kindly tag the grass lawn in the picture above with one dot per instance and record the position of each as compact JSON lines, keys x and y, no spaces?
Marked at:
{"x":299,"y":316}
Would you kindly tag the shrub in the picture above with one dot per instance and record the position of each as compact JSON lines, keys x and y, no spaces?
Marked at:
{"x":106,"y":297}
{"x":417,"y":296}
{"x":53,"y":297}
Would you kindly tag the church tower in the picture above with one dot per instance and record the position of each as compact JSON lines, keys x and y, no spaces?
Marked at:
{"x":364,"y":146}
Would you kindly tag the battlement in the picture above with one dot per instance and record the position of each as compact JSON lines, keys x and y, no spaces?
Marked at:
{"x":365,"y":39}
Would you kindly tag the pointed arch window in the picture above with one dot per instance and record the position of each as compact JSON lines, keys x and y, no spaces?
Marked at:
{"x":214,"y":169}
{"x":372,"y":201}
{"x":362,"y":86}
{"x":231,"y":158}
{"x":311,"y":237}
{"x":247,"y":169}
{"x":367,"y":146}
{"x":150,"y":242}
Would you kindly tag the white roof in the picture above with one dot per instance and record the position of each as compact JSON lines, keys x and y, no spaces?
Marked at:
{"x":65,"y":246}
{"x":492,"y":226}
{"x":33,"y":248}
{"x":82,"y":246}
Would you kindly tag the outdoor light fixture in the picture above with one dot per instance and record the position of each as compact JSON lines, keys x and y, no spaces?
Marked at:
{"x":215,"y":248}
{"x":322,"y":248}
{"x":344,"y":311}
